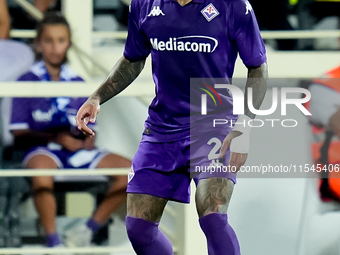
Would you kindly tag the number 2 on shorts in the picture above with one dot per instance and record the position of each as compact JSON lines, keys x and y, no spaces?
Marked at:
{"x":213,"y":152}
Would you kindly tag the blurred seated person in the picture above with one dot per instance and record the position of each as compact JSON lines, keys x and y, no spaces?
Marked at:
{"x":325,"y":121}
{"x":46,"y":128}
{"x":22,"y":20}
{"x":16,"y":58}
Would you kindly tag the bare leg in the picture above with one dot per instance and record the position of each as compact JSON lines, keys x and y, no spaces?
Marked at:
{"x":144,"y":214}
{"x":213,"y":195}
{"x":116,"y":195}
{"x":43,"y":192}
{"x":146,"y":207}
{"x":212,"y":201}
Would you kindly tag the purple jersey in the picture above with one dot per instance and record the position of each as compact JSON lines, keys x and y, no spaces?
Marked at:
{"x":46,"y":114}
{"x":199,"y":40}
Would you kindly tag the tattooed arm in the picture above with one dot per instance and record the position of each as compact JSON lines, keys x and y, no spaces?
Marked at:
{"x":257,"y":80}
{"x":213,"y":194}
{"x":121,"y":76}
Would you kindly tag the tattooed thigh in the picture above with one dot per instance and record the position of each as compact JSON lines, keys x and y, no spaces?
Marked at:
{"x":145,"y":207}
{"x":213,"y":195}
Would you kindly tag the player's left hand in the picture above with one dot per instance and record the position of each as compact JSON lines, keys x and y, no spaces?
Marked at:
{"x":239,"y":146}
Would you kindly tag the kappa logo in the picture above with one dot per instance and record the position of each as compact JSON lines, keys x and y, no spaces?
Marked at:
{"x":209,"y":12}
{"x":156,"y":11}
{"x":249,"y":8}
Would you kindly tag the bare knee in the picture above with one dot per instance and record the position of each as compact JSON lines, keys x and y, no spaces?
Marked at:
{"x":113,"y":161}
{"x":213,"y":195}
{"x":146,"y":207}
{"x":41,"y":162}
{"x":42,"y":183}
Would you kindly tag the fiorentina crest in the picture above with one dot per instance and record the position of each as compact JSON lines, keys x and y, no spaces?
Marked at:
{"x":210,"y":12}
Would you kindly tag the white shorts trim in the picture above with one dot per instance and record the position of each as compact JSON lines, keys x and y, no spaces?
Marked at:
{"x":42,"y":151}
{"x":19,"y":126}
{"x":95,"y":162}
{"x":46,"y":152}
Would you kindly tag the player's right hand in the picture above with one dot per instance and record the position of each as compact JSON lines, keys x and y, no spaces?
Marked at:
{"x":239,"y":146}
{"x":87,"y":113}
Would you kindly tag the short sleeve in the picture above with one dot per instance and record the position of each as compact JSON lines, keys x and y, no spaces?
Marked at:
{"x":28,"y":77}
{"x":246,"y":34}
{"x":137,"y":46}
{"x":77,"y":78}
{"x":20,"y":114}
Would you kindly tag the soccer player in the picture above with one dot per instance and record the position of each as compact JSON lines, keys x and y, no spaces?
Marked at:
{"x":186,"y":39}
{"x":47,"y":128}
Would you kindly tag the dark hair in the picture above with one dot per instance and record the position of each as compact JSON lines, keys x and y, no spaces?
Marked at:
{"x":50,"y":18}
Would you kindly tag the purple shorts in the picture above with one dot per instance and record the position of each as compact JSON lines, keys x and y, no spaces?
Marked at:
{"x":165,"y":169}
{"x":67,"y":159}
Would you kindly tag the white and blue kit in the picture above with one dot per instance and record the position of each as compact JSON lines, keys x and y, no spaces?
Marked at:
{"x":53,"y":115}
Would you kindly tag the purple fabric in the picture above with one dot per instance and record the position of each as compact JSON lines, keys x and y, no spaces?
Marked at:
{"x":46,"y":114}
{"x":38,"y":72}
{"x":33,"y":77}
{"x":93,"y":225}
{"x":221,"y":237}
{"x":160,"y":169}
{"x":52,"y":240}
{"x":184,"y":44}
{"x":201,"y":149}
{"x":29,"y":77}
{"x":146,"y":238}
{"x":166,"y":169}
{"x":67,"y":159}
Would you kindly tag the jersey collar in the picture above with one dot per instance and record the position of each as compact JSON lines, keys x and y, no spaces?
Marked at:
{"x":39,"y":69}
{"x":193,"y":1}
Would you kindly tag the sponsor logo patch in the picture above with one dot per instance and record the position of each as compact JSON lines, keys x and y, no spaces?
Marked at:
{"x":194,"y":43}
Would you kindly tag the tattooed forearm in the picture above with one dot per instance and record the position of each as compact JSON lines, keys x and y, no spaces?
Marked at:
{"x":213,"y":195}
{"x":121,"y":76}
{"x":257,"y":80}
